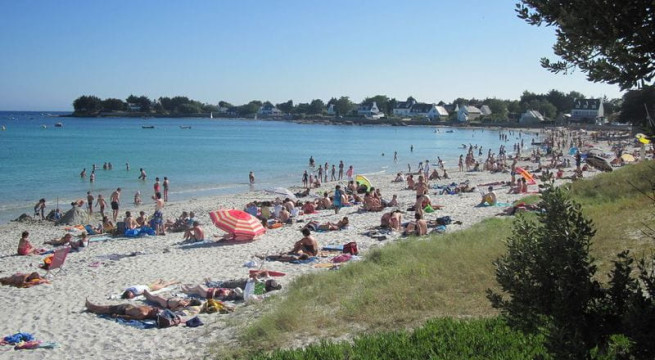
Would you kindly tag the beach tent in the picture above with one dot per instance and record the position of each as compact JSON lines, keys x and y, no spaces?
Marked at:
{"x":362,"y":180}
{"x":284,"y":192}
{"x":240,"y":225}
{"x":74,"y":216}
{"x":526,"y":175}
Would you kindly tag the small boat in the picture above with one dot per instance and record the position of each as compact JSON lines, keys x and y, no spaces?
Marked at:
{"x":44,"y":126}
{"x":4,"y":128}
{"x":59,"y":124}
{"x":211,"y":115}
{"x":148,"y":126}
{"x":185,"y":126}
{"x":450,"y":131}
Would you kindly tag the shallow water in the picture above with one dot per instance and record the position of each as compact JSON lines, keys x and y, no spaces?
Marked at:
{"x":213,"y":157}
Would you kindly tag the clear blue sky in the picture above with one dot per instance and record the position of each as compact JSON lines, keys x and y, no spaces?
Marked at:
{"x":54,"y":51}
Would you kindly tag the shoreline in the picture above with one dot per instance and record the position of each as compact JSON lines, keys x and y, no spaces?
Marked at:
{"x":55,"y":312}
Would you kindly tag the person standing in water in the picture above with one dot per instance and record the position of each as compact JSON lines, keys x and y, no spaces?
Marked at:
{"x":166,"y":184}
{"x":251,"y":177}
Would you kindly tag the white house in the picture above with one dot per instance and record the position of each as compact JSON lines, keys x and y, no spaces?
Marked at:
{"x":531,"y":117}
{"x":467,"y":113}
{"x":368,"y":109}
{"x":404,"y":108}
{"x":430,"y":111}
{"x":269,"y":109}
{"x":134,"y":107}
{"x":588,"y":110}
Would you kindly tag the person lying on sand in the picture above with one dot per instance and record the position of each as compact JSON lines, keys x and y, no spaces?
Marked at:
{"x":124,"y":311}
{"x":137,"y":290}
{"x":328,"y":226}
{"x":170,"y":303}
{"x":23,"y":280}
{"x":64,"y":240}
{"x":269,"y":284}
{"x":213,"y":293}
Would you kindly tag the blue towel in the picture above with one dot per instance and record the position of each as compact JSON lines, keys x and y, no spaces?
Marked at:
{"x":306,"y":261}
{"x":139,"y":324}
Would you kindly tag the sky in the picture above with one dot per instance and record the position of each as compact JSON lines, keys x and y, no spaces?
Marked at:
{"x":52,"y":52}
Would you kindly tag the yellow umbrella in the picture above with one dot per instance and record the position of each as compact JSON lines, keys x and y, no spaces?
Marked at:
{"x":628,"y":158}
{"x":644,"y":140}
{"x":640,"y":135}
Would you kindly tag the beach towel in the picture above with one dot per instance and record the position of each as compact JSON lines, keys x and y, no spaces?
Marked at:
{"x":333,"y":248}
{"x":139,"y":324}
{"x":100,"y":238}
{"x":306,"y":261}
{"x":496,"y":205}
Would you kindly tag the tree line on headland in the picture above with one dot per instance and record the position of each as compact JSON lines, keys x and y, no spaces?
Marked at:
{"x":553,"y":105}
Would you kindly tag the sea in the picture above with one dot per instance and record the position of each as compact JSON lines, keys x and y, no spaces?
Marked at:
{"x":207,"y":157}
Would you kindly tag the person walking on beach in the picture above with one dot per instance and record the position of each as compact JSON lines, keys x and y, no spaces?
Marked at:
{"x":350,"y":172}
{"x":251,"y":177}
{"x":143,"y":175}
{"x":100,"y":202}
{"x":166,"y":184}
{"x":39,"y":209}
{"x":333,"y":173}
{"x":336,"y":201}
{"x":340,"y":169}
{"x":115,"y":199}
{"x":320,"y":172}
{"x":89,"y":201}
{"x":325,"y":168}
{"x":411,"y":148}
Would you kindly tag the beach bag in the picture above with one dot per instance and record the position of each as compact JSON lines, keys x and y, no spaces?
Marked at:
{"x":350,"y":248}
{"x":167,"y":318}
{"x":120,"y":227}
{"x":444,"y":220}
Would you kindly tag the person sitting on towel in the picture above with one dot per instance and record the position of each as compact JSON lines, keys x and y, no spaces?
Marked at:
{"x":489,"y":198}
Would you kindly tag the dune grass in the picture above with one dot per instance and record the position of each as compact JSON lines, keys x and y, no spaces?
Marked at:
{"x":403,"y":284}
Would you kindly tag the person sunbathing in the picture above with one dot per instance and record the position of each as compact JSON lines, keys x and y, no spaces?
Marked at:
{"x":124,"y":311}
{"x":309,"y":207}
{"x":328,"y":226}
{"x":25,"y":247}
{"x":66,"y":239}
{"x":170,"y":303}
{"x":136,"y":290}
{"x":213,"y":293}
{"x":23,"y":280}
{"x":372,"y":203}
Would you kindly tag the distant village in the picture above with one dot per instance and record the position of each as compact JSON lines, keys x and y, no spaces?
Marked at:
{"x":532,"y":109}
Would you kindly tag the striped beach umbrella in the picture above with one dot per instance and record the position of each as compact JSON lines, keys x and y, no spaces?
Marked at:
{"x":239,"y":224}
{"x":526,"y":175}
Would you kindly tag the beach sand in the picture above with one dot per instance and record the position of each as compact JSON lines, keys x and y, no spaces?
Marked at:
{"x":55,"y":312}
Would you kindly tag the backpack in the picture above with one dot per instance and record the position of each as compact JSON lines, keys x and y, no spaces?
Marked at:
{"x":350,"y":248}
{"x":167,"y":318}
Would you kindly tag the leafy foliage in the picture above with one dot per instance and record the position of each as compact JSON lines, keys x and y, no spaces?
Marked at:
{"x":610,"y":41}
{"x":438,"y":338}
{"x":550,"y":279}
{"x":635,"y":103}
{"x":87,"y":104}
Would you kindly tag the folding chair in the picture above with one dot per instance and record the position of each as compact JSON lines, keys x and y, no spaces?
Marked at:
{"x":58,"y":259}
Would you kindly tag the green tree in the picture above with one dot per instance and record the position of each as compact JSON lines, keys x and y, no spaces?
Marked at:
{"x":285,"y":107}
{"x":610,"y":41}
{"x":549,"y":277}
{"x":249,"y":108}
{"x":112,"y":104}
{"x":560,"y":101}
{"x":225,"y":104}
{"x":316,"y":107}
{"x":343,"y":106}
{"x":635,"y":103}
{"x":188,"y":109}
{"x":87,"y":104}
{"x":498,"y":108}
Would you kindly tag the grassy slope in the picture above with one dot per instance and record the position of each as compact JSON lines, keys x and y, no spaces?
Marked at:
{"x":405,"y":283}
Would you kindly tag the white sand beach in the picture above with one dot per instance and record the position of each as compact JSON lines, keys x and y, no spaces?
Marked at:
{"x":55,"y":312}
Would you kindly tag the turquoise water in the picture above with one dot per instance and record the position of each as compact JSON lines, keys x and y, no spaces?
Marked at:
{"x":213,"y":157}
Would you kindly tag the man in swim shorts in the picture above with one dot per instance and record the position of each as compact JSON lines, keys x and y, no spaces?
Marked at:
{"x":124,"y":311}
{"x":115,"y":199}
